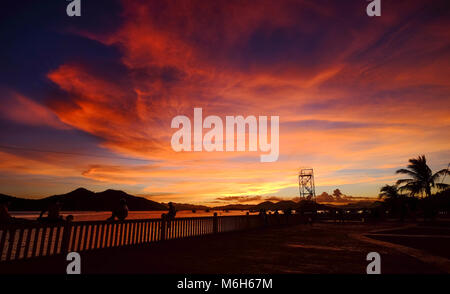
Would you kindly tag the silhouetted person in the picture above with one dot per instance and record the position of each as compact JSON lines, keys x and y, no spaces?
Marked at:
{"x":120,"y":212}
{"x":172,"y":212}
{"x":263,"y":215}
{"x":53,"y":212}
{"x":276,"y":214}
{"x":340,"y":215}
{"x":5,"y":217}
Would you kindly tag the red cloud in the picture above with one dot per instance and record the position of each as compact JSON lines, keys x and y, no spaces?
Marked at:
{"x":21,"y":109}
{"x":296,"y":59}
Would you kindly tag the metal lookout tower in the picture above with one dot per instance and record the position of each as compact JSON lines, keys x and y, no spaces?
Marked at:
{"x":306,"y":184}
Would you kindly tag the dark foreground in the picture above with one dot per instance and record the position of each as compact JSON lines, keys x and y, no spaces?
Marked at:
{"x":322,"y":248}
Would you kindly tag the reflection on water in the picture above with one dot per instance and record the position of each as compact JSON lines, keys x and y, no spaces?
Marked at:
{"x":103,"y":215}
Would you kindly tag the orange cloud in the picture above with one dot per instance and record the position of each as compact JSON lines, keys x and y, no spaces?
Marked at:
{"x":348,"y":97}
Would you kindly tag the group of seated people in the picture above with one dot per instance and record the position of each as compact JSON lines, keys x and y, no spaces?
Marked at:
{"x":53,"y":211}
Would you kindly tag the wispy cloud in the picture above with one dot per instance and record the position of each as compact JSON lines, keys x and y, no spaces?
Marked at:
{"x":353,"y":97}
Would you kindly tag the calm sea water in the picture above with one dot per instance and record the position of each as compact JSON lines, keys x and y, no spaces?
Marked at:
{"x":103,"y":215}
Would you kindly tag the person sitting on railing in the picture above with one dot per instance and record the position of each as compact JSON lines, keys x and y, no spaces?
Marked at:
{"x":53,"y":212}
{"x":263,"y":215}
{"x":172,"y":211}
{"x":121,"y":212}
{"x":5,"y":217}
{"x":170,"y":215}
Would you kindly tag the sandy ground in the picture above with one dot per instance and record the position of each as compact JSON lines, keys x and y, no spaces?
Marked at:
{"x":321,"y":248}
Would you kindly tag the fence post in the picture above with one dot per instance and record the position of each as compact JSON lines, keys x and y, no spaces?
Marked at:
{"x":163,"y":227}
{"x":215,"y":223}
{"x":66,"y":238}
{"x":11,"y":239}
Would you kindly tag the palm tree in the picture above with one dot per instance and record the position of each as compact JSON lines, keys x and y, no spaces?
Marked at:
{"x":389,"y":193}
{"x":422,"y":178}
{"x":393,"y":199}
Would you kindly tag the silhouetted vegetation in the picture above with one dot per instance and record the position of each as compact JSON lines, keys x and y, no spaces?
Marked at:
{"x":422,"y":179}
{"x":412,"y":197}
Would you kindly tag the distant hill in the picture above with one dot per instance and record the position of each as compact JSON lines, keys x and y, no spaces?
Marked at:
{"x":266,"y":205}
{"x":84,"y":200}
{"x":186,"y":206}
{"x":234,"y":207}
{"x":356,"y":205}
{"x":281,"y":205}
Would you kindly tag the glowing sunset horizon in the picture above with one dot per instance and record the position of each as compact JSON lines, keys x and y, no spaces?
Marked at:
{"x":88,"y":101}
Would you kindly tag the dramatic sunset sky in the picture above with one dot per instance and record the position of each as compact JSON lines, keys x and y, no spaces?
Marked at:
{"x":88,"y":101}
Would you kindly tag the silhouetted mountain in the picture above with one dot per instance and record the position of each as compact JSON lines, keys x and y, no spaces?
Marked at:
{"x":84,"y":200}
{"x":186,"y":206}
{"x":4,"y":197}
{"x":20,"y":203}
{"x":234,"y":207}
{"x":266,"y":205}
{"x":281,"y":205}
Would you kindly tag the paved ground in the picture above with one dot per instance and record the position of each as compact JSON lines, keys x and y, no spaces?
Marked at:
{"x":430,"y":240}
{"x":322,"y":248}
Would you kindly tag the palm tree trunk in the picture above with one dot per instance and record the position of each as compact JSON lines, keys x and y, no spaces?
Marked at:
{"x":428,"y":191}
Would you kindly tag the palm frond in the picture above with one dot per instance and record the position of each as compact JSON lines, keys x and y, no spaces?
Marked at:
{"x":413,"y":188}
{"x":403,"y":181}
{"x":407,"y":172}
{"x":389,"y":192}
{"x":440,"y":173}
{"x":442,"y":186}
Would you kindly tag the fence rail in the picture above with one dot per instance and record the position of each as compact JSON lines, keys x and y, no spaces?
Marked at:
{"x":20,"y":241}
